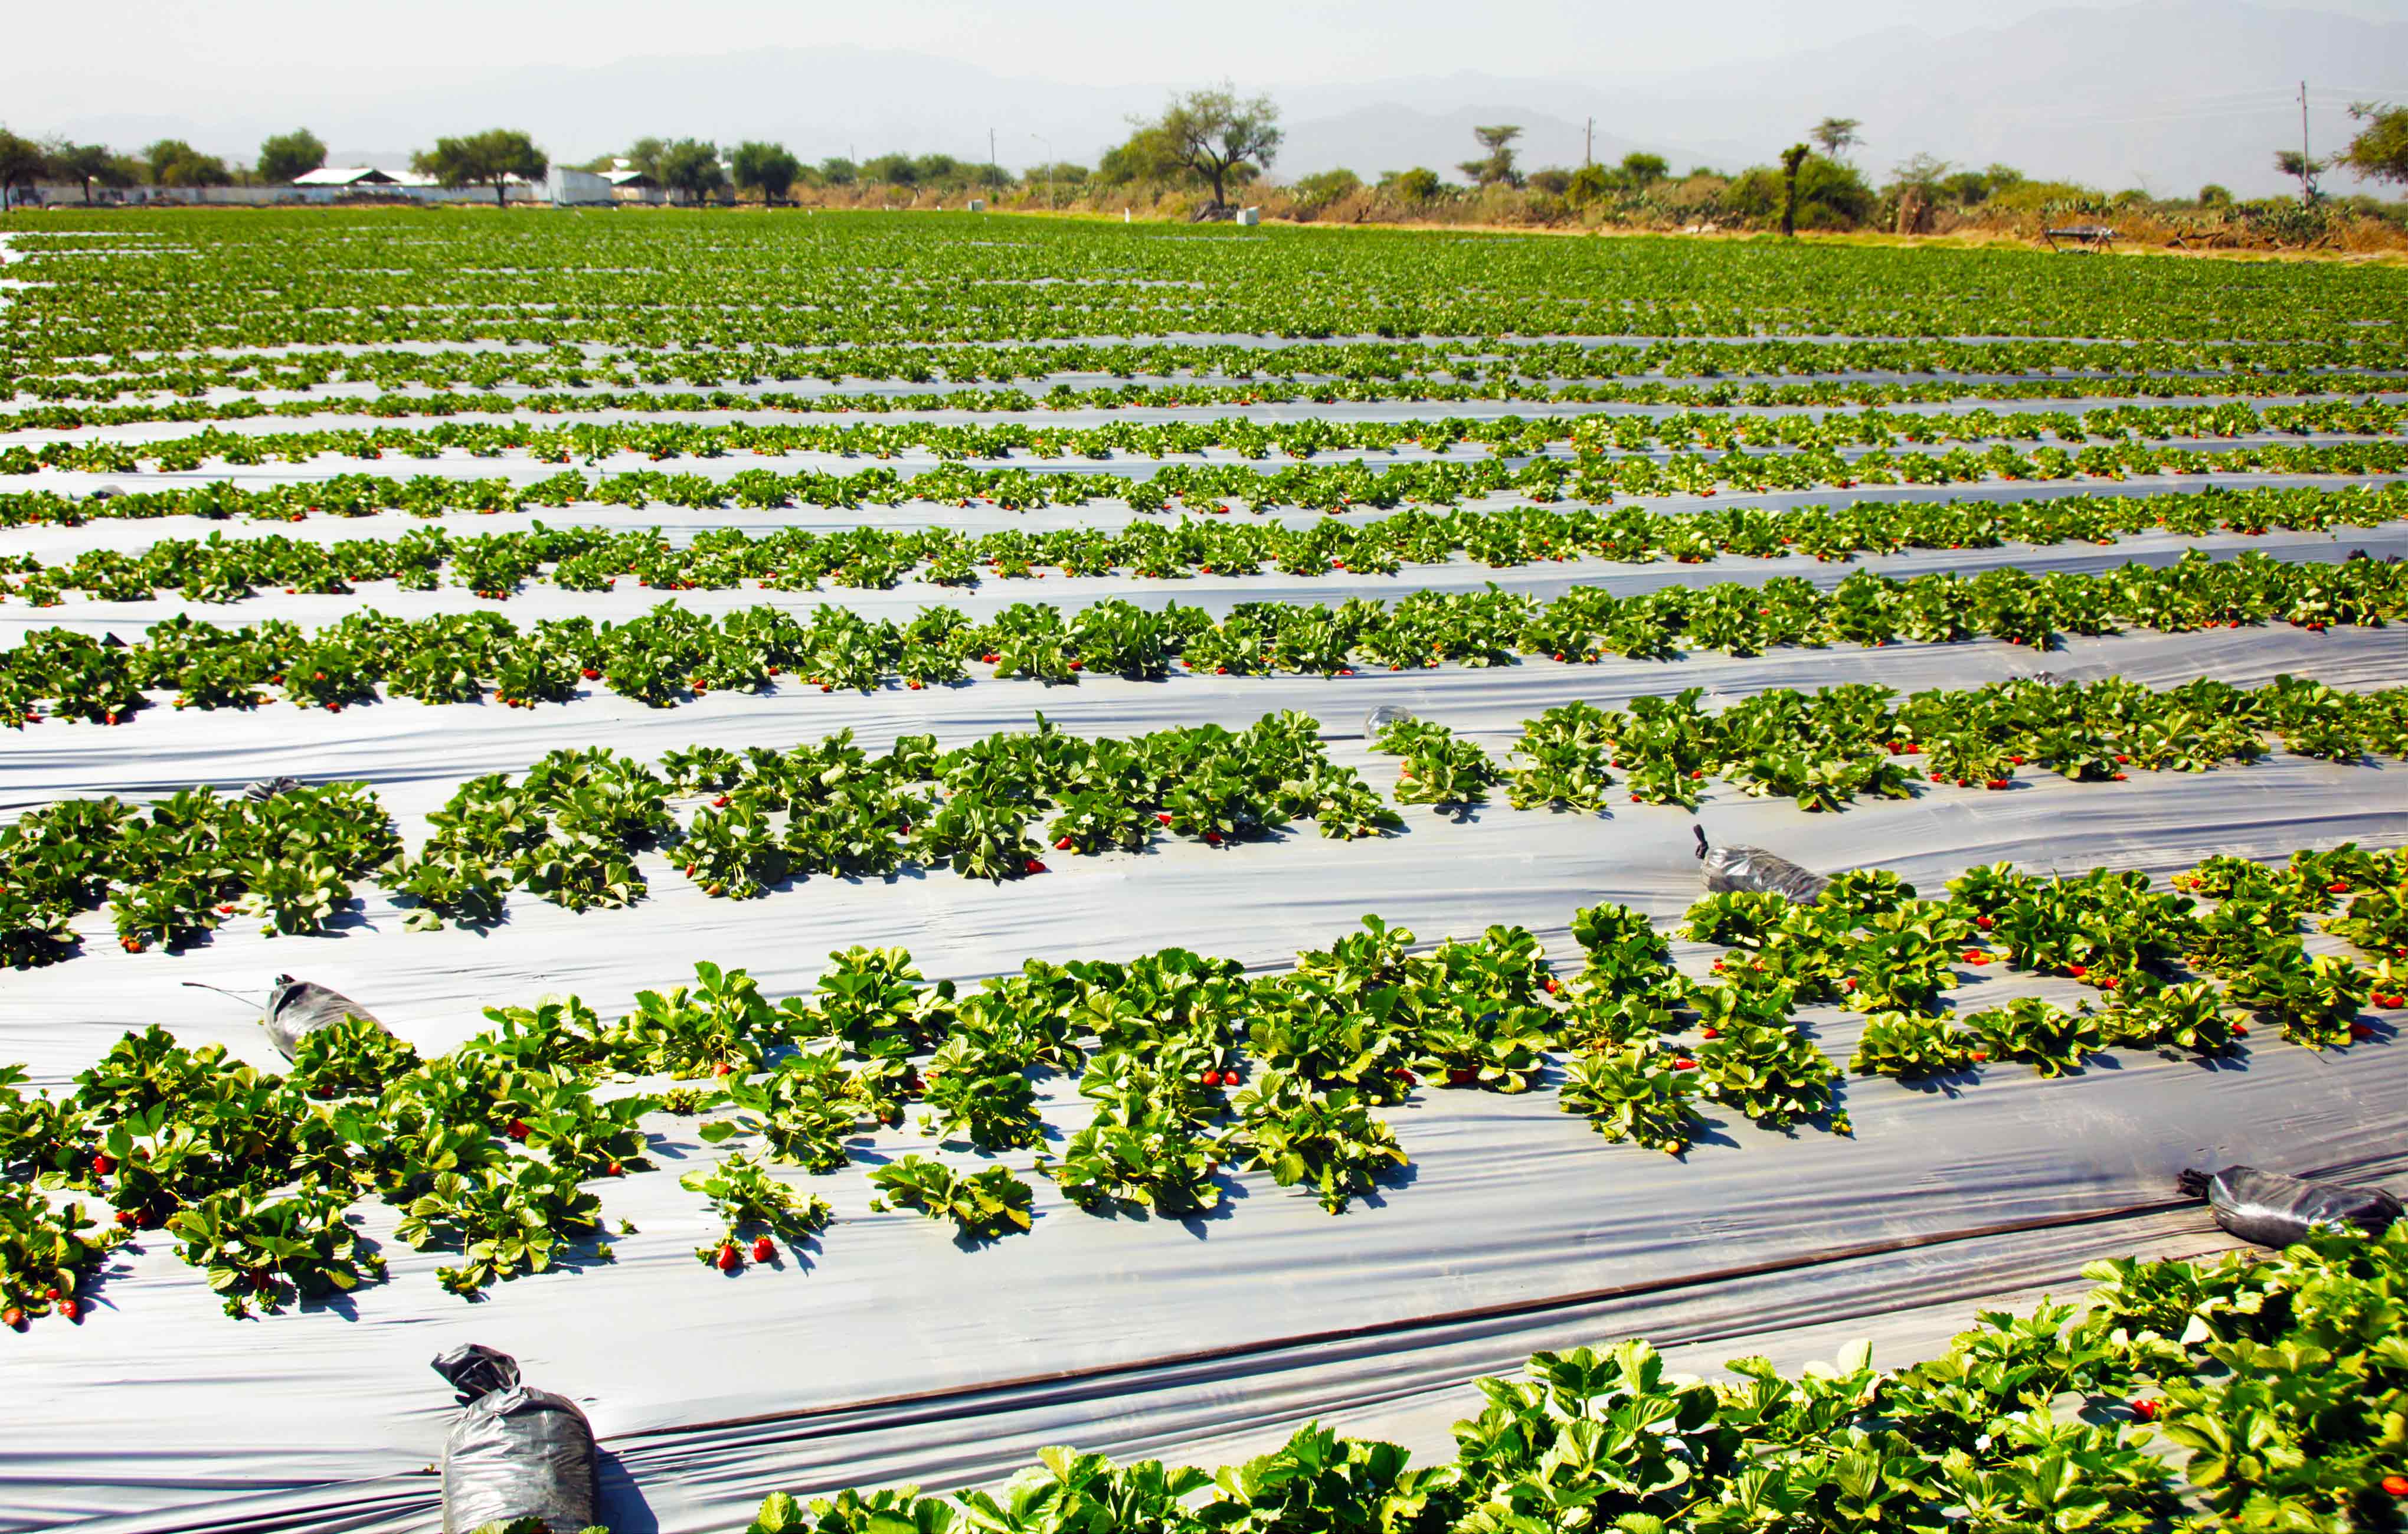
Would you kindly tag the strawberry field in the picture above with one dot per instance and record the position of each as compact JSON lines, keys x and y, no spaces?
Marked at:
{"x":841,"y":753}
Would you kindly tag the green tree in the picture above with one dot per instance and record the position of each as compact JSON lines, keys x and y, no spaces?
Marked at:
{"x":1418,"y":186}
{"x":1148,"y":155}
{"x":21,"y":162}
{"x":767,"y":168}
{"x":1212,"y":133}
{"x":1643,"y":169}
{"x":838,"y":171}
{"x":2380,"y":151}
{"x":1831,"y":195}
{"x":1792,"y":160}
{"x":175,"y":163}
{"x":2214,"y":195}
{"x":890,"y":170}
{"x":92,"y":163}
{"x":690,"y":165}
{"x":483,"y":159}
{"x":1836,"y":134}
{"x":1322,"y":188}
{"x":2292,"y":163}
{"x":1589,"y":183}
{"x":1497,"y":165}
{"x":287,"y":156}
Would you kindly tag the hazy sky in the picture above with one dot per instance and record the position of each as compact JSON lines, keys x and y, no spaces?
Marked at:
{"x":1274,"y":41}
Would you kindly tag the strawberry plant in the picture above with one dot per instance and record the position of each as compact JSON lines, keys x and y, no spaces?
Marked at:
{"x":803,"y":1117}
{"x":2052,"y":1040}
{"x":350,"y":1059}
{"x":1911,"y":1046}
{"x":1635,"y":1092}
{"x":272,"y":1253}
{"x":981,"y":1094}
{"x":983,"y":1206}
{"x":2312,"y":997}
{"x":46,"y":1254}
{"x":1145,"y":1156}
{"x":1326,"y":1141}
{"x":2186,"y":1018}
{"x":1772,"y":1074}
{"x":753,"y":1205}
{"x":504,"y":1220}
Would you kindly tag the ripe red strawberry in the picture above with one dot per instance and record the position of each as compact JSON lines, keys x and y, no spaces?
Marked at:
{"x":762,"y":1250}
{"x":1033,"y":866}
{"x":1211,"y":838}
{"x":126,"y":1217}
{"x":1985,"y":923}
{"x":1710,"y":1032}
{"x":2339,"y":886}
{"x":2360,"y":1033}
{"x":590,"y":674}
{"x":1063,"y":845}
{"x":226,"y":910}
{"x":729,"y":1259}
{"x":719,"y":803}
{"x":1230,"y":1077}
{"x":1553,"y":989}
{"x":1403,"y":1075}
{"x":1684,"y":1062}
{"x":2077,"y":971}
{"x":1980,"y":1056}
{"x":2144,"y":1410}
{"x":721,"y":1068}
{"x":1459,"y":1077}
{"x":518,"y":1129}
{"x":50,"y":1293}
{"x":1163,"y":815}
{"x":2241,"y":1030}
{"x":69,"y":1309}
{"x":2396,"y":1484}
{"x":1996,"y":784}
{"x":615,"y":1170}
{"x":2106,"y":982}
{"x":1211,"y":1078}
{"x":103,"y":1164}
{"x":12,"y":1318}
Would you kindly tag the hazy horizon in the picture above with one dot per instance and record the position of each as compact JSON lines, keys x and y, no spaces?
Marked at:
{"x":2058,"y":87}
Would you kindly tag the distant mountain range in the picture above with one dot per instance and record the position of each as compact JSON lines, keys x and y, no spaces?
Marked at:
{"x":2166,"y":94}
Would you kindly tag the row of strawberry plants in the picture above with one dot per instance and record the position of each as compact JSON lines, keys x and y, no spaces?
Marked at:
{"x":1858,"y":392}
{"x":564,"y":368}
{"x":1829,"y":747}
{"x":1209,"y":489}
{"x":2274,"y":1380}
{"x":671,"y":654}
{"x":720,"y":285}
{"x":1187,"y":1064}
{"x":567,"y":830}
{"x":496,"y":564}
{"x":1506,"y":437}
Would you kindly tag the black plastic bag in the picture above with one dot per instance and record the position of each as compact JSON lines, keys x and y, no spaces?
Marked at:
{"x":2275,"y":1210}
{"x":299,"y":1007}
{"x":516,"y":1452}
{"x":1752,"y":871}
{"x":269,"y":788}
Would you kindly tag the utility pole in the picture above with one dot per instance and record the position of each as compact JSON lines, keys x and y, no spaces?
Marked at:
{"x":990,"y":137}
{"x":2307,"y":166}
{"x":1588,"y":143}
